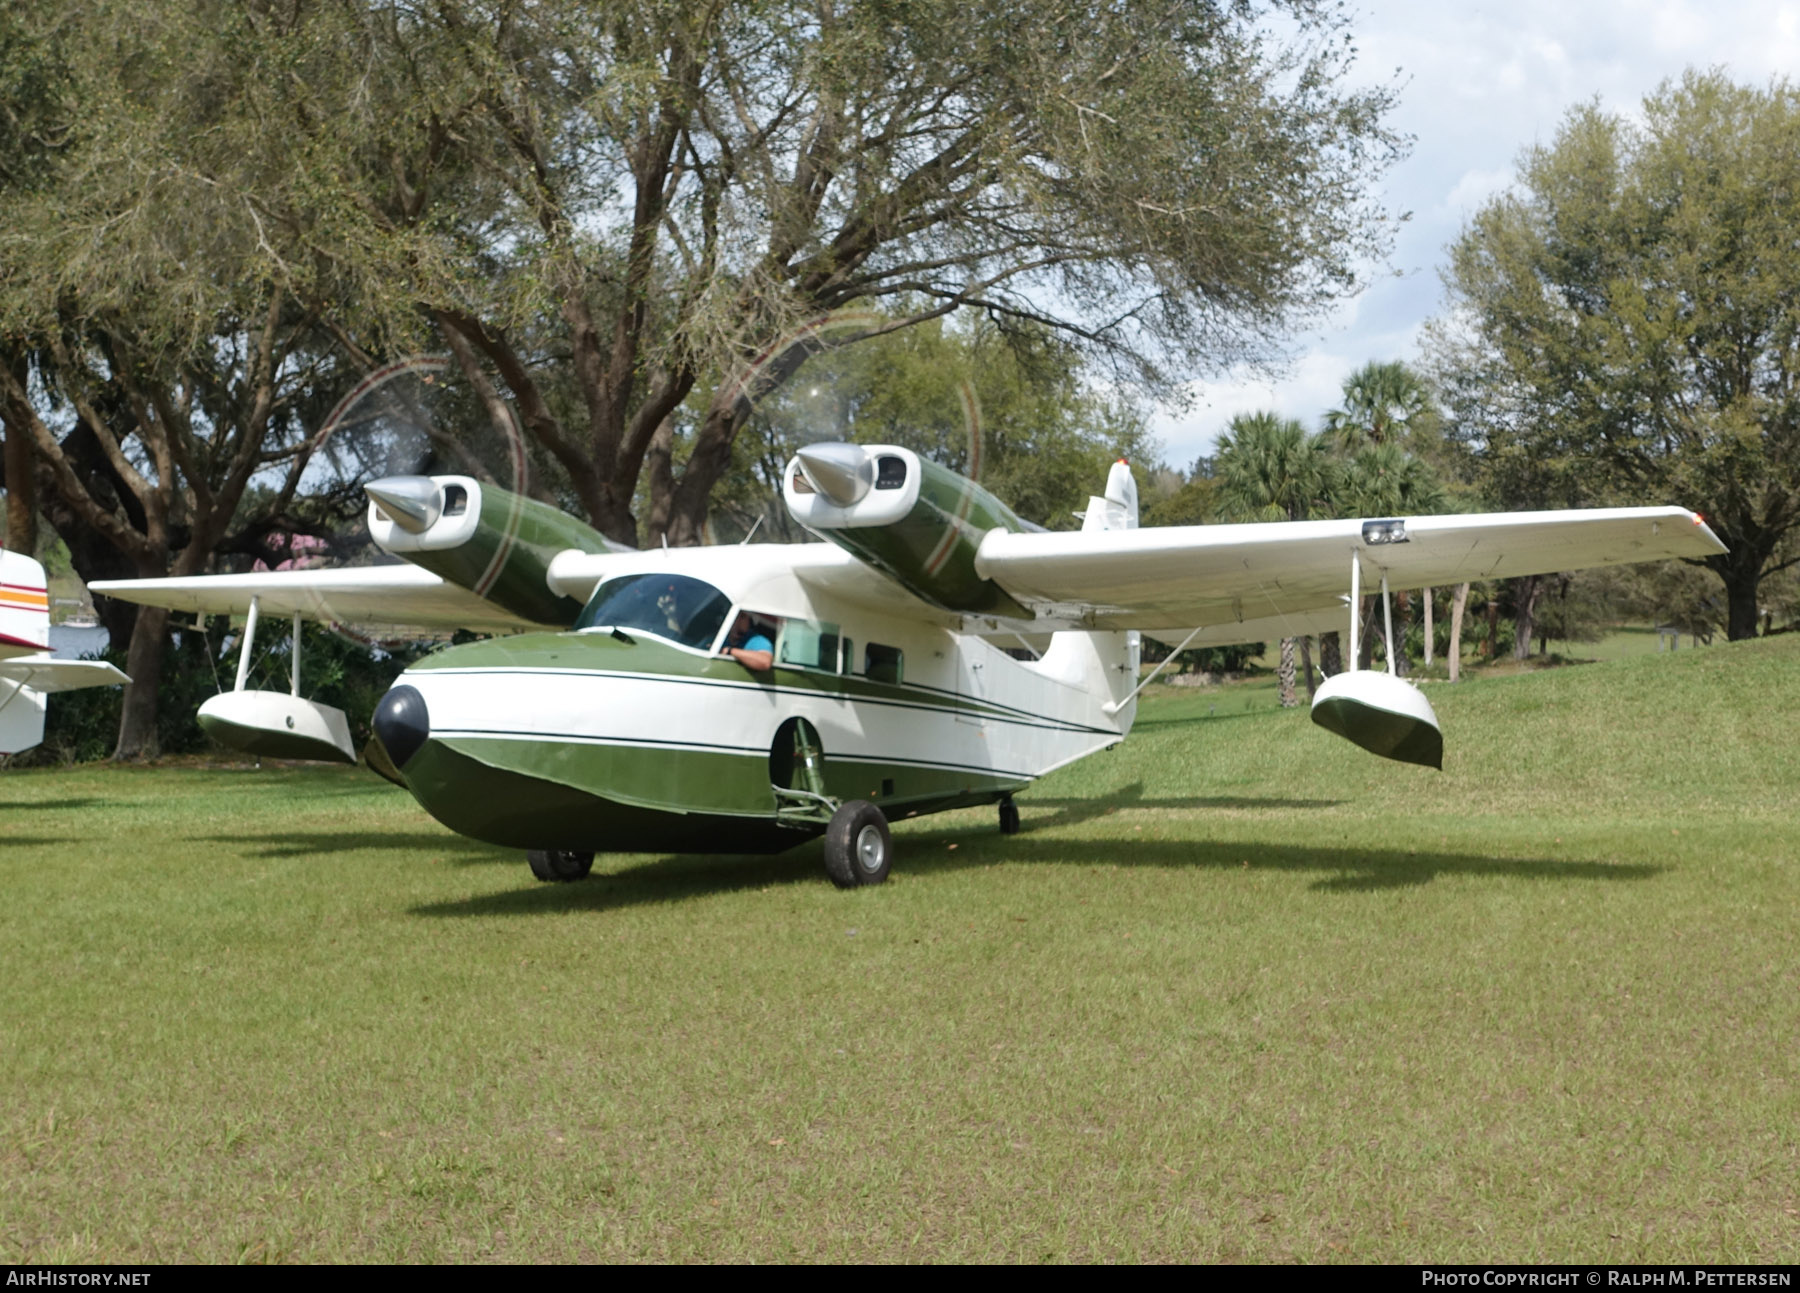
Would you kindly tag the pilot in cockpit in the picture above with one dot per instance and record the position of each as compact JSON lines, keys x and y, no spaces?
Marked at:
{"x":749,"y":644}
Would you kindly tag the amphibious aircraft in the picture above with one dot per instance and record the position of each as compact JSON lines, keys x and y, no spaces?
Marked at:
{"x":935,"y":652}
{"x":27,"y":670}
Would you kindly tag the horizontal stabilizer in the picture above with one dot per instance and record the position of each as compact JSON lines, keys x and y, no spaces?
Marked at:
{"x":45,"y":673}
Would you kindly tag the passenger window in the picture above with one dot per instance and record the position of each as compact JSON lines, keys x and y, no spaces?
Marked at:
{"x":846,"y":656}
{"x":808,"y":645}
{"x":883,"y":663}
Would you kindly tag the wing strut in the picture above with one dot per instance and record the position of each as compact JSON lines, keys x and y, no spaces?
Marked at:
{"x":249,"y":639}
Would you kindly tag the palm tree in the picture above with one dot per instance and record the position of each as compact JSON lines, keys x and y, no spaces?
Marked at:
{"x":1270,"y":469}
{"x":1381,"y":401}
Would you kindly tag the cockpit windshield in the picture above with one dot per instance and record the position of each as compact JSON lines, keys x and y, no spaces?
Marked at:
{"x":684,"y":610}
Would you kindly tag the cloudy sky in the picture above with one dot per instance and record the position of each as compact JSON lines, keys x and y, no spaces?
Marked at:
{"x":1479,"y":82}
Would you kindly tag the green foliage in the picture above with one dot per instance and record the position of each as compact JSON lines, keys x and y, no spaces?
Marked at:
{"x":1222,"y":659}
{"x":612,"y":210}
{"x":1623,"y":325}
{"x":1270,"y":469}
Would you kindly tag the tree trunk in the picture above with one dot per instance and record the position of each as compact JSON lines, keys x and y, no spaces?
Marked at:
{"x":21,"y":496}
{"x":1490,"y":648}
{"x":16,"y":473}
{"x":1402,"y":623}
{"x":137,"y":722}
{"x":1740,"y":603}
{"x":1526,"y":591}
{"x":1331,"y":655}
{"x":1306,"y":668}
{"x":1365,"y":649}
{"x":1430,"y":628}
{"x":1284,"y":675}
{"x":1457,"y":603}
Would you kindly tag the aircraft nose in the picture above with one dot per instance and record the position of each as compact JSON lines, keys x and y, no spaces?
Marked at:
{"x":402,"y":723}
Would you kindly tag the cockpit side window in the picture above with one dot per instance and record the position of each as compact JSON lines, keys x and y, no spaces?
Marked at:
{"x":809,"y":645}
{"x":676,"y":607}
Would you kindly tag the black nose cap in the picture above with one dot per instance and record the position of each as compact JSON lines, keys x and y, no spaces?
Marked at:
{"x":402,"y":723}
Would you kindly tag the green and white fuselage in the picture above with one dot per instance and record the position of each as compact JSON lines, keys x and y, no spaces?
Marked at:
{"x":620,"y":737}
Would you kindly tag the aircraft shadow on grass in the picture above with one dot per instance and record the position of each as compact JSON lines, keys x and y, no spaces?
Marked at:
{"x":1339,"y":869}
{"x":1188,"y":720}
{"x":299,"y":844}
{"x":42,"y":805}
{"x":1071,"y":810}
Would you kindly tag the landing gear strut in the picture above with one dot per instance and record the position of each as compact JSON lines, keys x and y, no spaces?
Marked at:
{"x":1009,"y":817}
{"x":559,"y":864}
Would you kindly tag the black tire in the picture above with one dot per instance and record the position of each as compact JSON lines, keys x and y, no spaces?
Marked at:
{"x":559,"y":864}
{"x":1009,"y":817}
{"x":858,"y":847}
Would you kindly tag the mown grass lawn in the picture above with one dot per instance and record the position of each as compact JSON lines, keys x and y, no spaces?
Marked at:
{"x":1238,"y":991}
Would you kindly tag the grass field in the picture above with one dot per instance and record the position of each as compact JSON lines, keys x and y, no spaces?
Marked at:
{"x":1238,"y":991}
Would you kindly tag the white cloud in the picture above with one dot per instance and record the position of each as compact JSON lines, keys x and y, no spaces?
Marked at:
{"x":1479,"y":82}
{"x":1474,"y":188}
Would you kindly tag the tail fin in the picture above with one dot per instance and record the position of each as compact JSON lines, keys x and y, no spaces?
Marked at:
{"x":1118,"y":508}
{"x":1105,"y":665}
{"x":24,"y":606}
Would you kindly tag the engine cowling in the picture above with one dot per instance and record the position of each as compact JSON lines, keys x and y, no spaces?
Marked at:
{"x":489,"y":540}
{"x":917,"y":522}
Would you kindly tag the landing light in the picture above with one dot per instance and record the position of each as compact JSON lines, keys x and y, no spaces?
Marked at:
{"x":1374,"y":532}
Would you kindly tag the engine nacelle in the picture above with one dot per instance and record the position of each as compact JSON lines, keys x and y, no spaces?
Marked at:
{"x":491,"y":541}
{"x":917,"y":522}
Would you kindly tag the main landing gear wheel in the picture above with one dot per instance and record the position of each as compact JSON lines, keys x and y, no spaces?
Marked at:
{"x":1009,"y":817}
{"x":858,"y":848}
{"x":559,"y":864}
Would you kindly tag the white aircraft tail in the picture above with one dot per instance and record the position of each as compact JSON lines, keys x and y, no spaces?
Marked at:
{"x":24,"y":606}
{"x":1104,"y":665}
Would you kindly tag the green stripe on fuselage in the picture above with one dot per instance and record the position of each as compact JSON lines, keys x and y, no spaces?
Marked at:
{"x":554,"y":790}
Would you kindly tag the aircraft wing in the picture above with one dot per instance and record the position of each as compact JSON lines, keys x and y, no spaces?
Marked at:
{"x":1279,"y":578}
{"x":43,"y":673}
{"x":398,"y":595}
